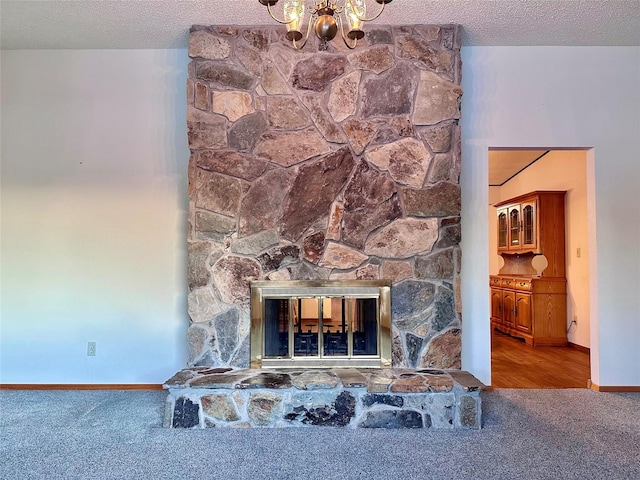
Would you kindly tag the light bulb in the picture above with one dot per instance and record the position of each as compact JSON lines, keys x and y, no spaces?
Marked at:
{"x":293,"y":13}
{"x":354,"y":9}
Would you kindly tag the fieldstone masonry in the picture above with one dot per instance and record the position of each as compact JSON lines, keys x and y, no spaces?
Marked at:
{"x":201,"y":397}
{"x":325,"y":163}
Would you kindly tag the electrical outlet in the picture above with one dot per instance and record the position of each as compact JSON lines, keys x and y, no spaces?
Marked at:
{"x":578,"y":252}
{"x":91,"y":349}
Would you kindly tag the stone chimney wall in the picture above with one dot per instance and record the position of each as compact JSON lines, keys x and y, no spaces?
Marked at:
{"x":325,"y":163}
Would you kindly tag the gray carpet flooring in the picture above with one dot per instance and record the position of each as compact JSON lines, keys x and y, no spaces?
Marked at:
{"x":529,"y":434}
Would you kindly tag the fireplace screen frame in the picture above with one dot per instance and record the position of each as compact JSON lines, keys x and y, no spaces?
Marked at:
{"x":346,"y":289}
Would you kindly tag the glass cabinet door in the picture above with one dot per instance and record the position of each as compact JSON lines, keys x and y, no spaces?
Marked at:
{"x":502,"y":229}
{"x":529,"y":233}
{"x":514,"y":227}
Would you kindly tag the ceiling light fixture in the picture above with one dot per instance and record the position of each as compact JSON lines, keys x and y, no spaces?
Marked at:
{"x":326,"y":18}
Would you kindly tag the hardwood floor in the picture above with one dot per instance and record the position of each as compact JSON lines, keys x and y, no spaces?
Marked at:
{"x":515,"y":364}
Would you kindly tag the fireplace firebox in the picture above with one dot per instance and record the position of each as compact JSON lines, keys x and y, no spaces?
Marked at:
{"x":320,"y":324}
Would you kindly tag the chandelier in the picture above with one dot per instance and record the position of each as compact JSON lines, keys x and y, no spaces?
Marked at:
{"x":326,"y":18}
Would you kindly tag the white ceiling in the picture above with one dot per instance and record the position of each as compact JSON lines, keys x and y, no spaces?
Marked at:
{"x":87,"y":24}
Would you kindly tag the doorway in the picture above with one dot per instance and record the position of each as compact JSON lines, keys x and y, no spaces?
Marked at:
{"x":514,"y":172}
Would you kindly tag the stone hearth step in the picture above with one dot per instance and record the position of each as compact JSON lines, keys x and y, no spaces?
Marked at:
{"x":201,"y":397}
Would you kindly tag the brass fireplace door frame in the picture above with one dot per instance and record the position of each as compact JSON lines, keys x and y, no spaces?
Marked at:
{"x":379,"y":289}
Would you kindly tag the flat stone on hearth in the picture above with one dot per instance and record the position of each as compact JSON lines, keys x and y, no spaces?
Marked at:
{"x":266,"y":380}
{"x":410,"y":383}
{"x":350,"y":377}
{"x":468,"y":382}
{"x":438,"y":383}
{"x":379,"y":382}
{"x":217,"y":381}
{"x":315,"y":380}
{"x":181,"y":379}
{"x":210,"y":371}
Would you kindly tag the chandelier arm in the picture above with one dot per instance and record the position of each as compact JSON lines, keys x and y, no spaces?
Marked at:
{"x":306,"y":37}
{"x":362,"y":19}
{"x":344,"y":37}
{"x":284,"y":22}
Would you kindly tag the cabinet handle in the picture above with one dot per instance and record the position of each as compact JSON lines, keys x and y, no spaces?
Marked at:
{"x":522,"y":284}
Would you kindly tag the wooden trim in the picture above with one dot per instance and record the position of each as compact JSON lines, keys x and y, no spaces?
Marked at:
{"x":80,"y":386}
{"x":526,"y":196}
{"x":612,"y":388}
{"x":580,"y":348}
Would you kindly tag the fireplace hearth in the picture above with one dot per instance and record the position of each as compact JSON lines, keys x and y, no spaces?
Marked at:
{"x":343,"y":397}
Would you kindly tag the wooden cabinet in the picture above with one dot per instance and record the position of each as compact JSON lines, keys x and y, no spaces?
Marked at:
{"x":508,"y":308}
{"x":525,"y":301}
{"x":517,"y":228}
{"x":523,"y":312}
{"x":533,"y":224}
{"x":534,"y":309}
{"x":496,"y":305}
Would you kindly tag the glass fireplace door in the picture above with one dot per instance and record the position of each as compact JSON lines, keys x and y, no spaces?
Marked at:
{"x":306,"y":326}
{"x":320,"y":327}
{"x":320,"y":324}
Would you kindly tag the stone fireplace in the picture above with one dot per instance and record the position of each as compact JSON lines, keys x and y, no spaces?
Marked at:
{"x":325,"y":165}
{"x":324,"y":230}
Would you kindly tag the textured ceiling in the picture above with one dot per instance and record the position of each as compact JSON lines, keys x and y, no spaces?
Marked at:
{"x":165,"y":23}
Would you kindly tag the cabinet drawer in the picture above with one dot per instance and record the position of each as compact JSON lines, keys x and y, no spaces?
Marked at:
{"x":495,"y":281}
{"x":508,"y":283}
{"x":524,"y":285}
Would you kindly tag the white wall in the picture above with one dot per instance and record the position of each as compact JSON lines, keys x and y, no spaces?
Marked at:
{"x":94,"y":179}
{"x":81,"y":263}
{"x":554,"y":97}
{"x":559,"y":170}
